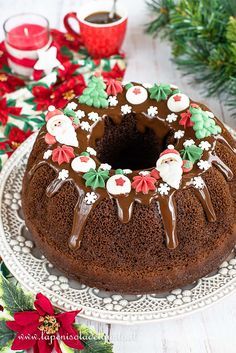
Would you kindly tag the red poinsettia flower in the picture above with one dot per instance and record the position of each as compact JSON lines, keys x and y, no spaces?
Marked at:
{"x":144,"y":183}
{"x":9,"y":83}
{"x":116,"y":72}
{"x":42,"y":329}
{"x":67,"y":40}
{"x":43,"y":97}
{"x":113,"y":86}
{"x":5,"y":111}
{"x":67,"y":91}
{"x":63,"y":154}
{"x":185,"y":119}
{"x":17,"y":136}
{"x":69,"y":70}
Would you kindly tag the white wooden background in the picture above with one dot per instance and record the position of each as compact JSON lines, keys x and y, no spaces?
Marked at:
{"x":213,"y":329}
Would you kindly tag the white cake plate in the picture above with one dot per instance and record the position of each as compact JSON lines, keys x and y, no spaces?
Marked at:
{"x":36,"y":274}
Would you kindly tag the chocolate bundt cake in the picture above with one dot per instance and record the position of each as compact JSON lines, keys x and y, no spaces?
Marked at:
{"x":131,"y":188}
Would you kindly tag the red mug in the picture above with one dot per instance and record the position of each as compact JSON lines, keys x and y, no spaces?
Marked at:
{"x":101,"y":40}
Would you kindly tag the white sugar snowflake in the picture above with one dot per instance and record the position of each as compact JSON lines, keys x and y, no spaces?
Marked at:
{"x":93,"y":116}
{"x":80,"y":114}
{"x":203,"y":165}
{"x":127,"y":171}
{"x":112,"y":100}
{"x":152,"y":111}
{"x":171,"y":117}
{"x":72,"y":106}
{"x":85,"y":126}
{"x":147,"y":85}
{"x":210,"y":114}
{"x":188,"y":143}
{"x":63,"y":174}
{"x":105,"y":166}
{"x":91,"y":151}
{"x":126,"y":109}
{"x":179,"y":134}
{"x":205,"y":145}
{"x":163,"y":189}
{"x":198,"y":182}
{"x":90,"y":198}
{"x":47,"y":154}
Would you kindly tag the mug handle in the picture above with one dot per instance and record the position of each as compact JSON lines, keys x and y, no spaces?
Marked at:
{"x":67,"y":24}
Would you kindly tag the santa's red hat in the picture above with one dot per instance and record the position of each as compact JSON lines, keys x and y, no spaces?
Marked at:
{"x":170,"y":152}
{"x":52,"y":111}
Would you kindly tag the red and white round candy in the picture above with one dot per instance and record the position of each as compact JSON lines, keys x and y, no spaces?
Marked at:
{"x":178,"y":102}
{"x":83,"y":164}
{"x":118,"y":184}
{"x":136,"y":95}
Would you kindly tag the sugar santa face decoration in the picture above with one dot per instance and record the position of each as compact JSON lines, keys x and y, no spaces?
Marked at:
{"x":170,"y":167}
{"x":60,"y":127}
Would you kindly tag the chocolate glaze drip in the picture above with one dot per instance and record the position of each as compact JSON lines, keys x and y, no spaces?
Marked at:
{"x":204,"y":197}
{"x":166,"y":203}
{"x":167,"y":207}
{"x":81,"y":213}
{"x":225,"y":170}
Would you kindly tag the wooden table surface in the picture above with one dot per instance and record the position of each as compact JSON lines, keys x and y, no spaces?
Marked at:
{"x":213,"y":329}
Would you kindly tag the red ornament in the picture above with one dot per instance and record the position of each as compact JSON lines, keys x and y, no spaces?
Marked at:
{"x":113,"y":87}
{"x":63,"y":154}
{"x":5,"y":111}
{"x":177,"y":98}
{"x":144,"y":183}
{"x":185,"y":119}
{"x":120,"y":181}
{"x":42,"y":329}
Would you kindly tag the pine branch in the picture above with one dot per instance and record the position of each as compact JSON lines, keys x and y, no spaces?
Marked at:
{"x":203,"y":37}
{"x":6,"y":336}
{"x":14,"y":299}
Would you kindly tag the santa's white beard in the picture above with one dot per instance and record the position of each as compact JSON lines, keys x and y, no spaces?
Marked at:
{"x":171,"y":173}
{"x":66,"y":135}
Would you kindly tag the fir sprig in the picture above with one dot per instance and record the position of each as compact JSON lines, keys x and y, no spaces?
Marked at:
{"x":203,"y":37}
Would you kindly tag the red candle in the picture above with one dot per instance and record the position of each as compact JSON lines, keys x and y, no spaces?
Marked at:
{"x":28,"y":36}
{"x":25,"y":35}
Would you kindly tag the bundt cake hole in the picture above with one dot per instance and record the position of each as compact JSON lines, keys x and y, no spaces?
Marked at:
{"x":124,"y":146}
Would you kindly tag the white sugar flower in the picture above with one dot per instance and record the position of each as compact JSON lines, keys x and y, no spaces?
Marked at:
{"x":85,"y":126}
{"x":72,"y":106}
{"x":126,"y":109}
{"x":63,"y":174}
{"x":91,"y":151}
{"x":205,"y":145}
{"x":152,"y":111}
{"x":112,"y":100}
{"x":80,"y":114}
{"x":21,"y":245}
{"x":203,"y":165}
{"x":188,"y":143}
{"x":90,"y":198}
{"x":198,"y":182}
{"x":163,"y":189}
{"x":105,"y":166}
{"x":179,"y":134}
{"x":171,"y":117}
{"x":47,"y":154}
{"x":93,"y":116}
{"x":127,"y":171}
{"x":116,"y":302}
